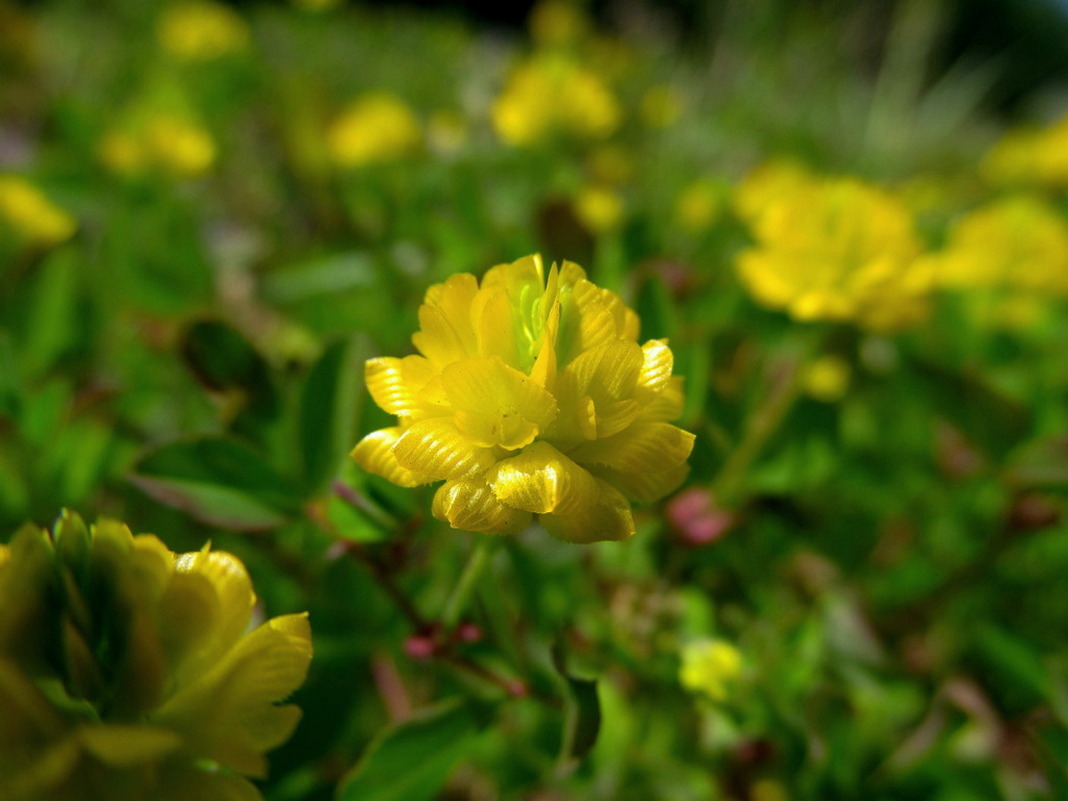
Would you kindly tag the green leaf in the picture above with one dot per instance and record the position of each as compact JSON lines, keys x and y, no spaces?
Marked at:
{"x":412,"y":760}
{"x":218,"y":481}
{"x":329,"y":407}
{"x":582,"y":712}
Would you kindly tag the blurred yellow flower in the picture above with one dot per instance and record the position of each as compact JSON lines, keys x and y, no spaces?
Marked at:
{"x":550,"y":96}
{"x":30,"y":216}
{"x":831,"y":249}
{"x":826,"y":378}
{"x":167,"y":143}
{"x":127,"y":672}
{"x":599,"y":208}
{"x":709,"y":667}
{"x":199,"y":30}
{"x":1017,"y":242}
{"x":698,"y":206}
{"x":1024,"y":156}
{"x":376,"y":127}
{"x":661,"y":107}
{"x":530,"y":396}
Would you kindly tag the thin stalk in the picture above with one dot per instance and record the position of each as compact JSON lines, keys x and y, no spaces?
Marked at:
{"x":465,"y":586}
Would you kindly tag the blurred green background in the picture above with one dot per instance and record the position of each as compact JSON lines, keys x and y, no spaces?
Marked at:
{"x":211,"y":215}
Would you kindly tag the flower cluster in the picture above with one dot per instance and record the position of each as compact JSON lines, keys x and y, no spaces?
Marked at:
{"x":169,"y":143}
{"x":709,"y":667}
{"x":1015,"y":243}
{"x":550,"y":96}
{"x":126,"y":671}
{"x":530,"y":396}
{"x":199,"y":30}
{"x":1026,"y":156}
{"x":831,"y":249}
{"x":376,"y":127}
{"x":31,"y":217}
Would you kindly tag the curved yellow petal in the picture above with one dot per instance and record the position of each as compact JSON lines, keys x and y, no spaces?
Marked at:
{"x":496,"y":399}
{"x":396,"y":384}
{"x":542,"y":480}
{"x":374,"y":453}
{"x":609,"y":518}
{"x":437,"y":449}
{"x":473,"y":507}
{"x":667,"y":404}
{"x":657,"y":364}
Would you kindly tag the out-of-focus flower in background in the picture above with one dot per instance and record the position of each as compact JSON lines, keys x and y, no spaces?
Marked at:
{"x":832,"y":248}
{"x":165,"y":143}
{"x":376,"y":127}
{"x":698,"y":206}
{"x":1014,"y":243}
{"x":29,"y":216}
{"x":826,"y":378}
{"x":200,"y":30}
{"x":599,"y":208}
{"x":127,"y":671}
{"x":710,"y":667}
{"x":1036,"y":157}
{"x":531,"y":396}
{"x":550,"y":96}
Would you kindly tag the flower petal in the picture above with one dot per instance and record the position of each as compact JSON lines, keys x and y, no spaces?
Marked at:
{"x":374,"y":453}
{"x":542,"y":480}
{"x":473,"y":507}
{"x":127,"y":746}
{"x":646,"y":461}
{"x":609,"y":518}
{"x":436,"y":449}
{"x":396,"y":384}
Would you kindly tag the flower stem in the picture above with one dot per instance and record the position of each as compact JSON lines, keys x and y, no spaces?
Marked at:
{"x":465,"y":586}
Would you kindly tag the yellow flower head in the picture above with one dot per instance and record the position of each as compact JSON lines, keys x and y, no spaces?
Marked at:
{"x":377,"y":127}
{"x":709,"y":667}
{"x":1038,"y":157}
{"x":31,"y":216}
{"x":552,"y":96}
{"x":199,"y":30}
{"x":831,"y":249}
{"x":126,"y":671}
{"x":530,"y":396}
{"x":1013,"y":243}
{"x":826,"y":378}
{"x":698,"y":206}
{"x":599,"y":208}
{"x":167,"y":143}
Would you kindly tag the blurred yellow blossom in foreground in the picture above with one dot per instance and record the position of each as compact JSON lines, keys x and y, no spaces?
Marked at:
{"x":1024,"y":156}
{"x":31,"y":216}
{"x":1013,"y":243}
{"x":530,"y":396}
{"x":167,"y":143}
{"x":199,"y":30}
{"x":709,"y":667}
{"x":551,"y":95}
{"x":831,"y":249}
{"x":376,"y":127}
{"x":127,"y":673}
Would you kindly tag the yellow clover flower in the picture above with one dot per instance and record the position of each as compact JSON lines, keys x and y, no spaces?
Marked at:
{"x":709,"y":667}
{"x":31,"y":216}
{"x":126,"y":673}
{"x":1025,"y":156}
{"x":530,"y":396}
{"x":831,"y":249}
{"x":198,"y":30}
{"x":599,"y":208}
{"x":552,"y":95}
{"x":167,"y":143}
{"x":377,"y":127}
{"x":1013,"y":243}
